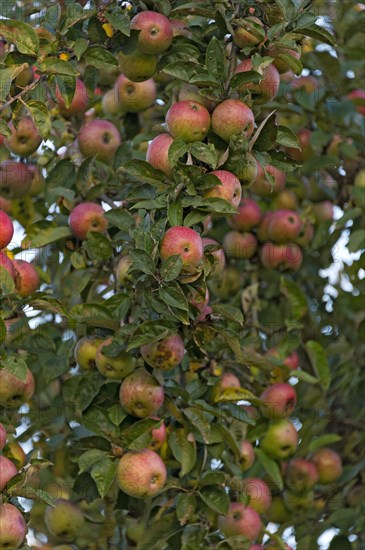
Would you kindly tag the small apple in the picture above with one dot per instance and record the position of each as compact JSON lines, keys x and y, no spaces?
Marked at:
{"x":138,"y":66}
{"x":85,"y":217}
{"x":188,"y":120}
{"x":141,"y":474}
{"x":182,"y":241}
{"x":100,"y":139}
{"x":281,"y":256}
{"x":231,"y":118}
{"x":7,"y":264}
{"x":291,"y":361}
{"x":2,"y":437}
{"x":25,"y":138}
{"x":13,"y":391}
{"x":158,"y":153}
{"x":114,"y":368}
{"x":248,"y":215}
{"x":328,"y":464}
{"x":265,"y":90}
{"x":26,"y":278}
{"x":64,"y":520}
{"x":12,"y":527}
{"x":122,"y":269}
{"x":85,"y":352}
{"x":247,"y":455}
{"x":164,"y":354}
{"x":229,"y":189}
{"x":7,"y":471}
{"x":323,"y":211}
{"x":6,"y":229}
{"x":286,"y":200}
{"x":258,"y":492}
{"x":15,"y":179}
{"x":240,"y":245}
{"x":263,"y":187}
{"x":155,"y":34}
{"x":280,"y":440}
{"x":301,"y":475}
{"x":279,"y":401}
{"x":158,"y":436}
{"x":141,"y":395}
{"x":218,"y":255}
{"x":249,"y":32}
{"x":240,"y":520}
{"x":79,"y":102}
{"x":134,"y":97}
{"x":358,"y":98}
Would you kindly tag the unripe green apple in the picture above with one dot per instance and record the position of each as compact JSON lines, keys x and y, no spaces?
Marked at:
{"x":164,"y":354}
{"x":134,"y":97}
{"x":64,"y":520}
{"x":115,"y":368}
{"x":141,"y":395}
{"x":138,"y":66}
{"x":12,"y":527}
{"x":278,"y":512}
{"x":141,"y":474}
{"x":85,"y":352}
{"x":280,"y":440}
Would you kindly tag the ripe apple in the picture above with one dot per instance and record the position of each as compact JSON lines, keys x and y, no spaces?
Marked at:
{"x":25,"y":138}
{"x":164,"y":354}
{"x":258,"y":492}
{"x":7,"y":471}
{"x":15,"y":179}
{"x":85,"y":217}
{"x":249,"y":32}
{"x":141,"y":474}
{"x":64,"y":520}
{"x":158,"y":436}
{"x":158,"y":153}
{"x":79,"y":102}
{"x":100,"y":139}
{"x":281,"y":63}
{"x":138,"y":66}
{"x":110,"y":104}
{"x":286,"y":199}
{"x":155,"y":34}
{"x":188,"y":120}
{"x":2,"y":437}
{"x":240,"y":245}
{"x":123,"y":265}
{"x":231,"y":118}
{"x":247,"y":455}
{"x":229,"y":188}
{"x":114,"y":368}
{"x":265,"y":90}
{"x":12,"y":527}
{"x":281,"y":256}
{"x":280,"y":440}
{"x":134,"y":97}
{"x":6,"y":229}
{"x":218,"y":255}
{"x":85,"y":352}
{"x":284,"y":226}
{"x":279,"y":400}
{"x":26,"y":278}
{"x":323,"y":211}
{"x":7,"y":264}
{"x":5,"y":204}
{"x":13,"y":391}
{"x":301,"y":475}
{"x":248,"y":215}
{"x":358,"y":98}
{"x":141,"y":395}
{"x":240,"y":520}
{"x":182,"y":241}
{"x":328,"y":464}
{"x":262,"y":186}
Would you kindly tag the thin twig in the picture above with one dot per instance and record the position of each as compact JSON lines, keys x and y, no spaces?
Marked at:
{"x":25,"y":90}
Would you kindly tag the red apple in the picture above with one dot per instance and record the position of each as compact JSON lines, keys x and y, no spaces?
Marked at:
{"x":100,"y":139}
{"x":231,"y":118}
{"x":164,"y":354}
{"x":247,"y":455}
{"x":85,"y":217}
{"x":26,"y":278}
{"x":12,"y":527}
{"x":240,"y":245}
{"x":155,"y":34}
{"x":240,"y":520}
{"x":7,"y":264}
{"x":279,"y":400}
{"x":13,"y":391}
{"x":5,"y":204}
{"x":182,"y":241}
{"x":141,"y":395}
{"x":79,"y":102}
{"x":6,"y":230}
{"x":262,"y":186}
{"x":25,"y":138}
{"x":328,"y":464}
{"x":15,"y":179}
{"x":158,"y":436}
{"x":229,"y":189}
{"x":358,"y":98}
{"x":323,"y":211}
{"x":259,"y":494}
{"x":2,"y":437}
{"x":188,"y":120}
{"x":281,"y":256}
{"x":158,"y":153}
{"x":265,"y":90}
{"x":248,"y":215}
{"x":280,"y":440}
{"x":134,"y":97}
{"x":301,"y":475}
{"x":218,"y":255}
{"x":7,"y":472}
{"x":284,"y":226}
{"x":141,"y":474}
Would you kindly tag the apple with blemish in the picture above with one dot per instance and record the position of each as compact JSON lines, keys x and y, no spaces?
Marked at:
{"x":165,"y":354}
{"x":141,"y":395}
{"x":249,"y":32}
{"x":113,"y":367}
{"x":26,"y":278}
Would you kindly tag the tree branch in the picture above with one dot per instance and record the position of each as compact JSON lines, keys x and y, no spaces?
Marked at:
{"x":24,"y":91}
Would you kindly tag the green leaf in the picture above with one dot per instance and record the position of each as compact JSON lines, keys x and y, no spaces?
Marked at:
{"x":7,"y":285}
{"x":291,"y":62}
{"x":185,"y":507}
{"x":22,"y":35}
{"x":53,"y":15}
{"x":6,"y":78}
{"x":245,"y":77}
{"x":183,"y":70}
{"x":173,"y":296}
{"x":318,"y":358}
{"x":216,"y":498}
{"x":205,"y":153}
{"x":142,"y":261}
{"x":89,"y":458}
{"x":287,"y":138}
{"x":319,"y":33}
{"x":104,"y":473}
{"x":144,"y":171}
{"x":271,"y":467}
{"x":171,"y":268}
{"x":98,"y":247}
{"x":200,"y":421}
{"x":296,"y":297}
{"x":120,"y":22}
{"x":80,"y":47}
{"x":161,"y":529}
{"x":183,"y":449}
{"x":237,"y":394}
{"x":4,"y":128}
{"x":17,"y":366}
{"x":229,"y":312}
{"x":100,"y":57}
{"x":177,"y":149}
{"x":139,"y":435}
{"x":323,"y":441}
{"x":305,"y":376}
{"x":340,"y":542}
{"x":57,"y":66}
{"x":265,"y":136}
{"x":214,"y":58}
{"x":46,"y":236}
{"x":151,"y":331}
{"x":357,"y":240}
{"x":175,"y":213}
{"x":40,"y":115}
{"x":194,"y":217}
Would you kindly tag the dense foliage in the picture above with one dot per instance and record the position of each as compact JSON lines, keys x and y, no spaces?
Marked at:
{"x":149,"y":357}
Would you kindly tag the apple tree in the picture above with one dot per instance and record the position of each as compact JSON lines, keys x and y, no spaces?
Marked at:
{"x":181,"y":279}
